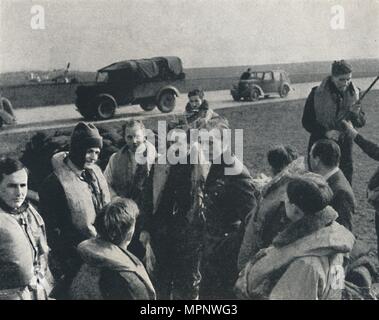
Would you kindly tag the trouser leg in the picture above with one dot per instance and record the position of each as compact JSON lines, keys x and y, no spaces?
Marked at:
{"x":162,"y":275}
{"x":187,"y":277}
{"x":189,"y":245}
{"x":219,"y":267}
{"x":346,"y":161}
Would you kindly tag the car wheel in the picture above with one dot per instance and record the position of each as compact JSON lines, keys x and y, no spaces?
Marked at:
{"x":236,"y":97}
{"x":148,"y":106}
{"x":1,"y":122}
{"x":254,"y":95}
{"x":167,"y":101}
{"x":105,"y":108}
{"x":284,"y":91}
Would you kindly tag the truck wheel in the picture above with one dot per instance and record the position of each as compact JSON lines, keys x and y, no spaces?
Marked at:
{"x":148,"y":106}
{"x":284,"y":91}
{"x":105,"y":107}
{"x":167,"y":101}
{"x":254,"y":95}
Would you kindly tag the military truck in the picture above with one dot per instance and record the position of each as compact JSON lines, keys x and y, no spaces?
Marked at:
{"x":147,"y":82}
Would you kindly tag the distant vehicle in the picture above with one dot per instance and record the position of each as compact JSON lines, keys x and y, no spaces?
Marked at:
{"x":147,"y":82}
{"x":261,"y":84}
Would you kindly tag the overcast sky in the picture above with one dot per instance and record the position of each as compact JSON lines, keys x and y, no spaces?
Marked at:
{"x":204,"y":33}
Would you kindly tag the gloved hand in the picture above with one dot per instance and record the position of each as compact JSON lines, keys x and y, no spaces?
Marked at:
{"x":349,"y":129}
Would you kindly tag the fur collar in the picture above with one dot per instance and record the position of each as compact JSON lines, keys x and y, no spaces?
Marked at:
{"x":305,"y":226}
{"x":204,"y":106}
{"x":99,"y":253}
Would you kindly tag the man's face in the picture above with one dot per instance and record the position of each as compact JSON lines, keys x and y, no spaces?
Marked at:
{"x":92,"y":155}
{"x":13,"y":188}
{"x":313,"y":162}
{"x":195,"y":101}
{"x":292,"y":212}
{"x":342,"y":81}
{"x":134,"y":137}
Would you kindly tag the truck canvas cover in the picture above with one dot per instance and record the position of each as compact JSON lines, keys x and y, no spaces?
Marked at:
{"x":157,"y":67}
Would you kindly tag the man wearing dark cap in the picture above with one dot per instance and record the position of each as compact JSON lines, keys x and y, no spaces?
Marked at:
{"x":334,"y":100}
{"x":71,"y":197}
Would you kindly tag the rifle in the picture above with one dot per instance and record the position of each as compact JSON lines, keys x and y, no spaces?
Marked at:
{"x":345,"y":114}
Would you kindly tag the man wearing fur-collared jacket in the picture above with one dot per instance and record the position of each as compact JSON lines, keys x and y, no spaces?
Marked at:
{"x":305,"y":260}
{"x":71,"y":197}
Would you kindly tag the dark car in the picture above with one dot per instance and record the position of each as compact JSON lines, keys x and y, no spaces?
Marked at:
{"x":147,"y":82}
{"x":261,"y":84}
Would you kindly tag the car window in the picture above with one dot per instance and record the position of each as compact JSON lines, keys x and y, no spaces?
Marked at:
{"x":277,"y":76}
{"x":267,"y":76}
{"x":259,"y":75}
{"x":102,"y":77}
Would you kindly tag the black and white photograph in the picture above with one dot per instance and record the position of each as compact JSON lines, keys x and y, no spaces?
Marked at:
{"x":205,"y":151}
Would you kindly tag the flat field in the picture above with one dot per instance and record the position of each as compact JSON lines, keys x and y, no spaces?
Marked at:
{"x":266,"y":125}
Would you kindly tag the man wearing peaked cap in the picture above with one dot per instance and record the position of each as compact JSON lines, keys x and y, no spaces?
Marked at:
{"x":334,"y":100}
{"x":71,"y":197}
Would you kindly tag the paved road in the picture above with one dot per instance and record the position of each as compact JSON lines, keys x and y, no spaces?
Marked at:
{"x":66,"y":115}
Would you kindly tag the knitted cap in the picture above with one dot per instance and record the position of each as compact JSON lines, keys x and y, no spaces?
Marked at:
{"x":83,"y":137}
{"x":310,"y":194}
{"x":86,"y":136}
{"x":341,"y":67}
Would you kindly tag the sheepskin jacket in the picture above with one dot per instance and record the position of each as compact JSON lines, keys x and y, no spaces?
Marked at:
{"x":110,"y":272}
{"x":304,"y":262}
{"x":23,"y":255}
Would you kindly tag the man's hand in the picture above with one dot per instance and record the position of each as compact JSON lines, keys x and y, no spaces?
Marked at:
{"x":149,"y":258}
{"x":333,"y":135}
{"x":355,"y":108}
{"x":349,"y":129}
{"x":144,"y":238}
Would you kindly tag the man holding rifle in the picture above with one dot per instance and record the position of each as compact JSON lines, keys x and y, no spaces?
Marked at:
{"x":334,"y":100}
